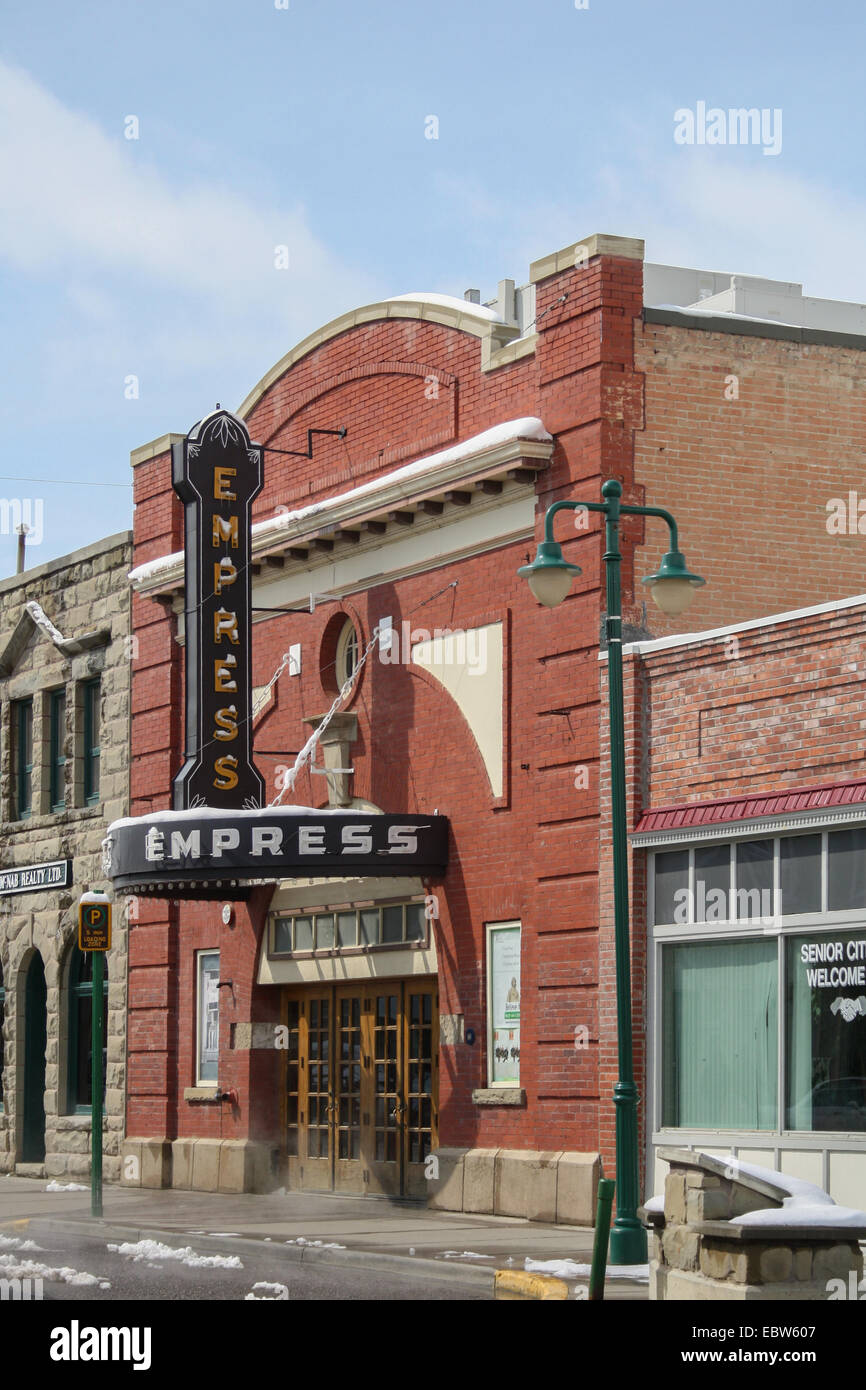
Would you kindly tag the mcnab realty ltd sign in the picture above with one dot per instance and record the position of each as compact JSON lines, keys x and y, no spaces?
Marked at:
{"x":219,"y":837}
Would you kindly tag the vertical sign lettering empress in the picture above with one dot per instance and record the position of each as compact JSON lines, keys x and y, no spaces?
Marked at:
{"x":216,"y":472}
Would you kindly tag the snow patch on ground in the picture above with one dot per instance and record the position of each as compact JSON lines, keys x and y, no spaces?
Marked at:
{"x":12,"y":1268}
{"x":272,"y":1292}
{"x":568,"y":1269}
{"x":55,"y":1186}
{"x":465,"y":1255}
{"x":145,"y":1250}
{"x":321,"y":1244}
{"x":16,"y":1243}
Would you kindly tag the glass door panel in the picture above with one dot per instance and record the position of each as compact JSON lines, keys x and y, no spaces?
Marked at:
{"x":348,"y":1169}
{"x":383,"y":1017}
{"x":421,"y":1088}
{"x":317,"y":1149}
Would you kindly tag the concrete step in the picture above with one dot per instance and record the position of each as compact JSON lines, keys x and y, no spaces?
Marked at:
{"x":30,"y":1170}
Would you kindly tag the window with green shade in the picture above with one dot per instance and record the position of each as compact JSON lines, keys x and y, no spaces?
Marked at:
{"x":56,"y":744}
{"x":720,"y":1035}
{"x":22,"y":726}
{"x":2,"y":1015}
{"x":80,"y":1056}
{"x":91,"y":701}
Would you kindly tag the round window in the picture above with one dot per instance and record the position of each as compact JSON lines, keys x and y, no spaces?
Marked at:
{"x":346,"y":662}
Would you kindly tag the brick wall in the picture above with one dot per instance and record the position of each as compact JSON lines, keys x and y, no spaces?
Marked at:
{"x":749,"y":478}
{"x":531,"y":854}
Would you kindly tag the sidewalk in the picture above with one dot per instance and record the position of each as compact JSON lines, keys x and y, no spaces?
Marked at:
{"x":366,"y":1230}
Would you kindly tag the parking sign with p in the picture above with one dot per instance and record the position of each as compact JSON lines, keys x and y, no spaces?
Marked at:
{"x":94,"y":925}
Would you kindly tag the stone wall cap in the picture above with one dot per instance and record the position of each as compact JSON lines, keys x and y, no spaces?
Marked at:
{"x":707,"y":1163}
{"x":787,"y":1232}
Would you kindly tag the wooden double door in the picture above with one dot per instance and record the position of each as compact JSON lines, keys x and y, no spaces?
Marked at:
{"x":361,"y":1086}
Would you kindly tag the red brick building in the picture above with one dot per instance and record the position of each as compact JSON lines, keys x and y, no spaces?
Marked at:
{"x":749,"y":871}
{"x":335,"y":1033}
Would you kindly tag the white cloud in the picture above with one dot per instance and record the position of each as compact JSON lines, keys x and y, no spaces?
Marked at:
{"x":135,"y":256}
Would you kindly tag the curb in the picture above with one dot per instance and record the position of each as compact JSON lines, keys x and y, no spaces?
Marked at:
{"x":519,"y":1283}
{"x":475,"y":1276}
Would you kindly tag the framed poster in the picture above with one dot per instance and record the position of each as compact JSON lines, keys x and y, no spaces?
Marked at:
{"x":503,"y":1003}
{"x":207,"y":1017}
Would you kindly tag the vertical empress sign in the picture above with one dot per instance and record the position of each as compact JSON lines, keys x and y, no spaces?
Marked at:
{"x":216,"y":472}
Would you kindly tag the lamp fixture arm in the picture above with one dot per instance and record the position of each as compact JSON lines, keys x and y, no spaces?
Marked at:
{"x":612,"y":510}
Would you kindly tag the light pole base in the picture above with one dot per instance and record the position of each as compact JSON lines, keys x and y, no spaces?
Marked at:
{"x":628,"y":1243}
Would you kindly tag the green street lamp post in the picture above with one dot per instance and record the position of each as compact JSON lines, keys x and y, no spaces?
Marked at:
{"x":672,"y":587}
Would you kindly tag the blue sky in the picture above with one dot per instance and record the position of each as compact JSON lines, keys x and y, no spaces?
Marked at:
{"x":305,"y":127}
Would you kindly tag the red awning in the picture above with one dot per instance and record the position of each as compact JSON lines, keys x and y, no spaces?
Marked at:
{"x":737,"y":808}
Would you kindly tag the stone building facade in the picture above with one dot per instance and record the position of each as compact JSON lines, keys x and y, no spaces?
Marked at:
{"x":65,"y":657}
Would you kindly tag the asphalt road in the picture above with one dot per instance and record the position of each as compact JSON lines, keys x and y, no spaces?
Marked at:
{"x":170,"y":1280}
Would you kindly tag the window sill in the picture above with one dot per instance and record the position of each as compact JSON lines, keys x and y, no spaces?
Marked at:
{"x":30,"y":823}
{"x":499,"y":1095}
{"x":199,"y":1094}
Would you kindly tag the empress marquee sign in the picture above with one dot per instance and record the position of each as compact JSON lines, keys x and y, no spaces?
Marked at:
{"x":219,"y":839}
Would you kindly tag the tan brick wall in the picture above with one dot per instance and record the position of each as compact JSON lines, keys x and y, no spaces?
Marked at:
{"x":749,"y":479}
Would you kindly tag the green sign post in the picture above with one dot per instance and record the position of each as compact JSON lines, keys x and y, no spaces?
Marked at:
{"x":94,"y":934}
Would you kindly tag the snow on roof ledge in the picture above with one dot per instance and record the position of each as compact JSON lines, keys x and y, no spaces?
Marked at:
{"x":527,"y":427}
{"x":448,"y":301}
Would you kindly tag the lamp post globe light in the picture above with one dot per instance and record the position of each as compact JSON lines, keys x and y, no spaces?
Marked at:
{"x":672,"y":588}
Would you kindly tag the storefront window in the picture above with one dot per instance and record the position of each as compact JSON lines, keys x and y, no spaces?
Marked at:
{"x":826,"y":1044}
{"x":720,"y":1035}
{"x":763,"y":1015}
{"x":208,"y":1016}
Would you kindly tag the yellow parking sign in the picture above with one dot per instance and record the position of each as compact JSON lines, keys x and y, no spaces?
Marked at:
{"x":94,"y":925}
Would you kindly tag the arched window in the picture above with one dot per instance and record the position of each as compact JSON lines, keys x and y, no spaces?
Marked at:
{"x":79,"y":1063}
{"x":2,"y":1015}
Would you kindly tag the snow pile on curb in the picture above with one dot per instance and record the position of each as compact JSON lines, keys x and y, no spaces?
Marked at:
{"x":141,"y":1250}
{"x":806,"y":1205}
{"x":465,"y":1255}
{"x":55,"y":1186}
{"x":32,"y":1269}
{"x":319,"y":1244}
{"x":568,"y":1269}
{"x":16,"y":1243}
